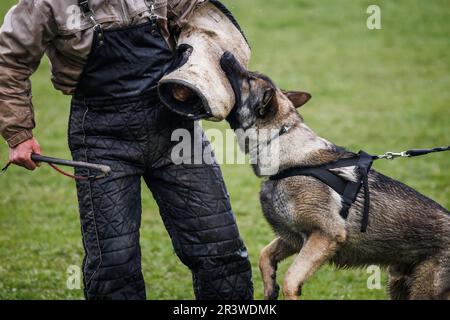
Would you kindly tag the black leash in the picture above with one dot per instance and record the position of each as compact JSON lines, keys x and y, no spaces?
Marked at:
{"x":52,"y":162}
{"x":5,"y":168}
{"x":411,"y":153}
{"x":349,"y":190}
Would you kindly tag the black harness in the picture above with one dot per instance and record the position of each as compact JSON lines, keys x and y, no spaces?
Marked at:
{"x":349,"y":190}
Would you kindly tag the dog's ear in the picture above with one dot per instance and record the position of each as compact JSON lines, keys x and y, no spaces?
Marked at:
{"x":298,"y":98}
{"x":268,"y":103}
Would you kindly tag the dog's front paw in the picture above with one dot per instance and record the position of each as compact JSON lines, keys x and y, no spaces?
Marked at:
{"x":272,"y":293}
{"x":292,"y":294}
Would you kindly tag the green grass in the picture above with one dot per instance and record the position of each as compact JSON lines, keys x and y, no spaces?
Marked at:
{"x":373,"y":90}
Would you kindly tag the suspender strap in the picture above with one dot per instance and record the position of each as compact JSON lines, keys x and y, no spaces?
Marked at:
{"x":88,"y":12}
{"x":84,"y":6}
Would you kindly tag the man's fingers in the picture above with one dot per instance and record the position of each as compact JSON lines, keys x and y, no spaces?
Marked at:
{"x":36,"y":147}
{"x":29,"y":164}
{"x":24,"y":161}
{"x":37,"y":150}
{"x":21,"y":154}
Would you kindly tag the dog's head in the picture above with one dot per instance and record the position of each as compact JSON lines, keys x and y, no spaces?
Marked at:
{"x":258,"y":100}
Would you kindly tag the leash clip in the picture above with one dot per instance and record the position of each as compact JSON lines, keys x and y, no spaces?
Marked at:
{"x":394,"y":155}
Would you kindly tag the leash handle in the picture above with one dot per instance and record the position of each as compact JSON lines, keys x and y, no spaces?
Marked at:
{"x":105,"y":170}
{"x":52,"y":162}
{"x":4,"y":169}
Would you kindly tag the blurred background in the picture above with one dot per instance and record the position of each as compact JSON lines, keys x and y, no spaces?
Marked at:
{"x":377,"y":90}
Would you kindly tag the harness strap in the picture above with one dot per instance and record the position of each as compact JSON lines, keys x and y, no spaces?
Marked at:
{"x":329,"y":178}
{"x":363,"y":165}
{"x":365,"y":183}
{"x":348,"y":190}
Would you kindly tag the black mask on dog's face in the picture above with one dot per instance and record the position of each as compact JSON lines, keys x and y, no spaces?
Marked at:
{"x":237,"y":75}
{"x":253,"y":92}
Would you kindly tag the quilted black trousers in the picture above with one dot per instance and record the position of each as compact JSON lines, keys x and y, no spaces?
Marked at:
{"x":135,"y":141}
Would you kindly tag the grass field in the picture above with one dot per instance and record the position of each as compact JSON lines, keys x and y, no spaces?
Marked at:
{"x":380,"y":90}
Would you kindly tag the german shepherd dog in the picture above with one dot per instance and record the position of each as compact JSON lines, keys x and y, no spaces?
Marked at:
{"x":408,"y":233}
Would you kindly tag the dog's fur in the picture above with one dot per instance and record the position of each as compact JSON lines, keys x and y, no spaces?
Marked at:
{"x":408,"y":232}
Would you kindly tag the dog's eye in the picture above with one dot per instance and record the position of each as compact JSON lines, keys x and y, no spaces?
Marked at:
{"x":267,"y":97}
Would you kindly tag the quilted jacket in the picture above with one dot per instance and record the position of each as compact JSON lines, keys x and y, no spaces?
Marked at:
{"x":58,"y":29}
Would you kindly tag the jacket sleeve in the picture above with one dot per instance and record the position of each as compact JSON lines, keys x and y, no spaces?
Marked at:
{"x":24,"y":36}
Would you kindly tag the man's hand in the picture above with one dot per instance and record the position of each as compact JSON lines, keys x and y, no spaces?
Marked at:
{"x":21,"y":155}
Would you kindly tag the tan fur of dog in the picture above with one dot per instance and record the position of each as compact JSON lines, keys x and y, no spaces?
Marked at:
{"x":408,"y":232}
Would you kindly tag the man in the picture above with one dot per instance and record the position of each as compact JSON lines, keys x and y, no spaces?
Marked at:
{"x":109,"y":55}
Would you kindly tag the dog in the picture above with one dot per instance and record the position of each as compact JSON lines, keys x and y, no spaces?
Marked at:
{"x":408,"y":233}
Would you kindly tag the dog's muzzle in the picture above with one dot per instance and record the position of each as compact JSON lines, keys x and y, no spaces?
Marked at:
{"x":198,"y":88}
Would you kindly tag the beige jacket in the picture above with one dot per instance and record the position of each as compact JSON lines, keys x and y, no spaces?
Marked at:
{"x":58,"y":29}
